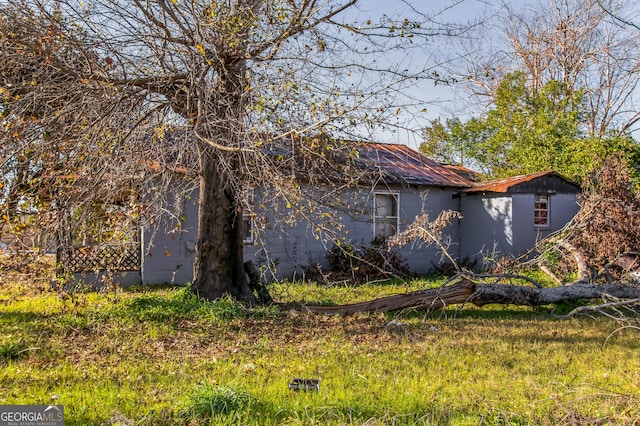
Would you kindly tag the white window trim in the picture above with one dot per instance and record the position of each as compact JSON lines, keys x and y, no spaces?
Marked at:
{"x":397,"y":216}
{"x":248,"y":218}
{"x":548,"y":209}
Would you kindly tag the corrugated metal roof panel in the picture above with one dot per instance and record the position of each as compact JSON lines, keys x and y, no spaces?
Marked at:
{"x":401,"y":164}
{"x":463,"y":171}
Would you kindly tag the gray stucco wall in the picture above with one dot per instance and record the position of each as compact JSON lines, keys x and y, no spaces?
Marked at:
{"x":293,"y":246}
{"x":422,"y":258}
{"x":486,"y":226}
{"x":503,"y":223}
{"x":500,"y":224}
{"x":168,"y":250}
{"x":562,"y":208}
{"x":285,"y":248}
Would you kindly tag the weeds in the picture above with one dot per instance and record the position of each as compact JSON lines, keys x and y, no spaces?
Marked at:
{"x":209,"y":400}
{"x":173,"y":306}
{"x":161,"y":356}
{"x":11,"y":351}
{"x":359,"y":265}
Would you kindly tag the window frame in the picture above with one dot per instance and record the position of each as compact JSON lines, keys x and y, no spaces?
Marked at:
{"x":248,"y":219}
{"x":537,"y":208}
{"x":376,"y":218}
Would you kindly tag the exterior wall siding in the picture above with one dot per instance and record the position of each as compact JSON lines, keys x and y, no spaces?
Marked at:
{"x":423,"y":258}
{"x":169,"y":252}
{"x":284,"y":249}
{"x":292,"y":247}
{"x":486,"y":226}
{"x":496,"y":223}
{"x":503,"y":223}
{"x":562,"y":208}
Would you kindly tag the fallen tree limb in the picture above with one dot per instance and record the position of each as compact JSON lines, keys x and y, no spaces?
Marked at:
{"x":530,"y":296}
{"x":430,"y":299}
{"x":578,"y":257}
{"x":510,"y":276}
{"x":466,"y":290}
{"x":550,"y":274}
{"x":603,"y":309}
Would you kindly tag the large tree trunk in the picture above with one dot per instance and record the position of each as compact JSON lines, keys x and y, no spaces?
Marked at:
{"x":466,"y":291}
{"x":219,"y":263}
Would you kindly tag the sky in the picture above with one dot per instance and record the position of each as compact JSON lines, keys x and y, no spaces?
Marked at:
{"x":439,"y":100}
{"x":442,"y":101}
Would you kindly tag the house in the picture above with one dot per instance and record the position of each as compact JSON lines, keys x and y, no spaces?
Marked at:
{"x":504,"y":217}
{"x":408,"y":184}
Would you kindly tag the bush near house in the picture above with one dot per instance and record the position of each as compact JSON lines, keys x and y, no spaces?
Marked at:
{"x":347,"y":263}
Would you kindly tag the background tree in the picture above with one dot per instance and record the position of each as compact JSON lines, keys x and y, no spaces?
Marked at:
{"x":553,"y":85}
{"x":577,"y":43}
{"x":57,"y":147}
{"x":255,"y":84}
{"x":526,"y":132}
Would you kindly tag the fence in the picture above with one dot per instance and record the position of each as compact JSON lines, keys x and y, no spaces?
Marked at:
{"x":120,"y":257}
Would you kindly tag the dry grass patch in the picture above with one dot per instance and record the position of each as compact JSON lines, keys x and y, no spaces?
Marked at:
{"x":162,"y":357}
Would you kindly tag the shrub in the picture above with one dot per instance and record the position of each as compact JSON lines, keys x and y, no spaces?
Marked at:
{"x":606,"y":227}
{"x":374,"y":262}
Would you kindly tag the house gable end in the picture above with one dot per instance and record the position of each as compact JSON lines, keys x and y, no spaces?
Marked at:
{"x":550,"y":183}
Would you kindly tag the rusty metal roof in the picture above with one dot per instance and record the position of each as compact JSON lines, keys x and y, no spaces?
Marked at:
{"x":403,"y":165}
{"x":463,"y":171}
{"x":504,"y":185}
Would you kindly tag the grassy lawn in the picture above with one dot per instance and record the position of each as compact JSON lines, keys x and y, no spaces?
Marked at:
{"x":159,"y":356}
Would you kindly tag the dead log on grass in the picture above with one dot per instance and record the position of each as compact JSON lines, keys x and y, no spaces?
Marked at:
{"x":466,"y":291}
{"x":430,"y":299}
{"x":531,"y":296}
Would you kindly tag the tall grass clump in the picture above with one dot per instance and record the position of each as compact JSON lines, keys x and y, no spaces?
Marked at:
{"x":11,"y":351}
{"x":208,"y":400}
{"x":223,"y":309}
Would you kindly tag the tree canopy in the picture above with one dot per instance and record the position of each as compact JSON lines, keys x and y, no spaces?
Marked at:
{"x":526,"y":131}
{"x":94,"y":92}
{"x":583,"y":44}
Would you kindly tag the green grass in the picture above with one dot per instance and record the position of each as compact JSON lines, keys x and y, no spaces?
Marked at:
{"x":159,"y":356}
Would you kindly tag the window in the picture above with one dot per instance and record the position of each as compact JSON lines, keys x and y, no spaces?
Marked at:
{"x":247,"y":227}
{"x":541,"y":210}
{"x":385,"y":214}
{"x":248,"y":224}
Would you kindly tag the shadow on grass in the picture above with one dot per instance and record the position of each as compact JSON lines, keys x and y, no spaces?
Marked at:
{"x":177,"y":305}
{"x":469,"y":311}
{"x":20,"y":317}
{"x":547,"y":313}
{"x":37,"y":323}
{"x":524,"y":325}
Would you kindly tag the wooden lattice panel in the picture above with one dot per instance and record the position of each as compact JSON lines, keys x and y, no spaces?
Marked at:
{"x":124,"y":257}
